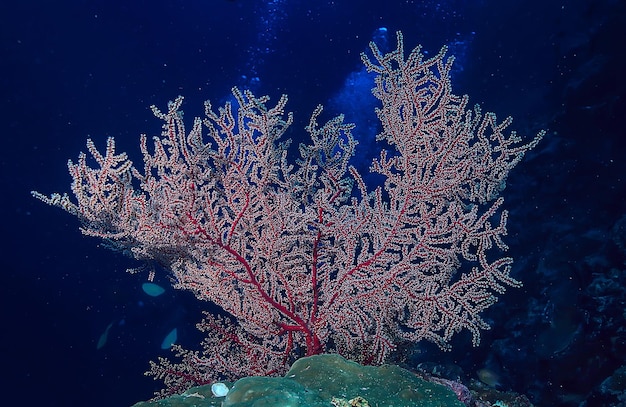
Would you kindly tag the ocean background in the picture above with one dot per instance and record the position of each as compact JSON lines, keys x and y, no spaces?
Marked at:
{"x":78,"y":330}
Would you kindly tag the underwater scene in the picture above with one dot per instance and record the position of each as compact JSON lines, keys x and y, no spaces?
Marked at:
{"x":313,"y":203}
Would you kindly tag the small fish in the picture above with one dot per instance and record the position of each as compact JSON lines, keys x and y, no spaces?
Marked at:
{"x":489,"y":377}
{"x":104,"y":337}
{"x":153,"y":290}
{"x":169,"y":339}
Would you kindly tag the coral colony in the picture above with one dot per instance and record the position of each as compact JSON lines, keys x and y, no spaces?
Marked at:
{"x":302,"y":256}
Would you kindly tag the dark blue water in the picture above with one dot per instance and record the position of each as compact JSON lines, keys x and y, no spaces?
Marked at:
{"x":74,"y":69}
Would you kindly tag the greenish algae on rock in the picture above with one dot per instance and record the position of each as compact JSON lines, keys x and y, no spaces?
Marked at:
{"x":315,"y":381}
